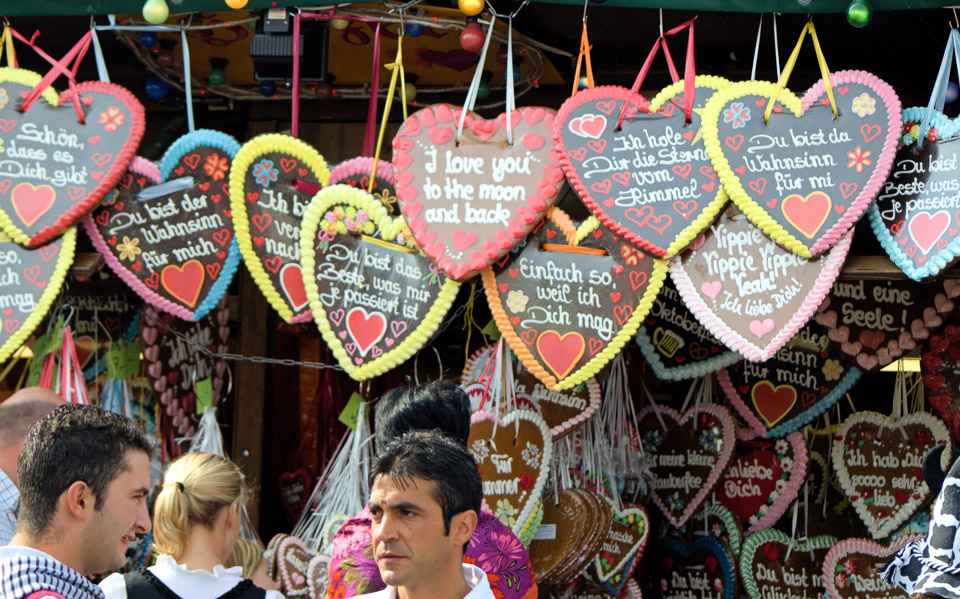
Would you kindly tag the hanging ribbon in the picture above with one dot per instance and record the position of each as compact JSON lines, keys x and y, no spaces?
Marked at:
{"x":583,"y":58}
{"x":756,"y":48}
{"x":939,"y":94}
{"x":396,"y":70}
{"x":295,"y":96}
{"x":788,"y":69}
{"x":371,"y":130}
{"x":511,"y":97}
{"x":102,"y":73}
{"x":6,"y":45}
{"x":59,"y":67}
{"x":689,"y":72}
{"x":477,"y":78}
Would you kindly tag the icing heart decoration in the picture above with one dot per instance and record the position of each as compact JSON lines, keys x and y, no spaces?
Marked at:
{"x":880,"y":470}
{"x":850,"y":569}
{"x":375,"y":298}
{"x":570,"y":299}
{"x":650,"y":180}
{"x":689,"y":456}
{"x":178,"y":251}
{"x":514,"y":455}
{"x":470,"y":203}
{"x":31,"y":282}
{"x":799,"y":383}
{"x":706,"y":565}
{"x":804,"y":177}
{"x":675,"y":344}
{"x":295,"y":489}
{"x":55,"y":168}
{"x":317,"y":576}
{"x":623,"y":547}
{"x":763,"y":480}
{"x":356,"y":172}
{"x":876,"y":322}
{"x":774,"y":565}
{"x":563,"y":411}
{"x":293,"y":558}
{"x":940,"y":369}
{"x":173,"y":366}
{"x":272,"y":180}
{"x":750,"y":293}
{"x":914,"y":216}
{"x":582,"y":520}
{"x":719,"y":522}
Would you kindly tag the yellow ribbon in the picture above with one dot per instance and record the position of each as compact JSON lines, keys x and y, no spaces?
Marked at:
{"x":6,"y":43}
{"x":396,"y":68}
{"x":788,"y":68}
{"x":585,"y":48}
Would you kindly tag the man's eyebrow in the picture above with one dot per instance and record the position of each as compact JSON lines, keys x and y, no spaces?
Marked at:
{"x":141,"y":491}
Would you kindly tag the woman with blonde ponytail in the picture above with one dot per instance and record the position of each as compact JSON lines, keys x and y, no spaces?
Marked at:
{"x":196,"y":523}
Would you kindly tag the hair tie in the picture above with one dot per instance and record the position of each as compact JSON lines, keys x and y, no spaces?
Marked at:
{"x":180,"y":484}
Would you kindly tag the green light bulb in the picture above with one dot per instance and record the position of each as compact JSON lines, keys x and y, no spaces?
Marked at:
{"x":859,"y":13}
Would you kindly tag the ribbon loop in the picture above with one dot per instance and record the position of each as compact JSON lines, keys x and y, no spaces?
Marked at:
{"x":939,"y":93}
{"x":396,"y":69}
{"x":583,"y":58}
{"x":791,"y":62}
{"x":58,"y":67}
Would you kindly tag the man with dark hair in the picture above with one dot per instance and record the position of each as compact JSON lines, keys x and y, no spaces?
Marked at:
{"x":84,"y":478}
{"x":445,"y":408}
{"x":425,"y":496}
{"x":17,"y":415}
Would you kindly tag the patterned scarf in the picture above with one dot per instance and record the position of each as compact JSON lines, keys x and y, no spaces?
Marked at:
{"x":24,"y":575}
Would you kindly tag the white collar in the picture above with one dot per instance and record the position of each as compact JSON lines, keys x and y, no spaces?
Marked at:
{"x":475,"y":578}
{"x":167,"y":562}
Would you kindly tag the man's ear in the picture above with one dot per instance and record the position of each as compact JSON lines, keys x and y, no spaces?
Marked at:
{"x":462,"y":526}
{"x":80,"y":500}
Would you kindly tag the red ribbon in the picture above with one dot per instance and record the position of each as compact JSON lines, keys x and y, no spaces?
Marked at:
{"x":60,"y":67}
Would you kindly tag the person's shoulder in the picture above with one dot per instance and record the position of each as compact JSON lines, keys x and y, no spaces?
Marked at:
{"x":114,"y":587}
{"x":381,"y":594}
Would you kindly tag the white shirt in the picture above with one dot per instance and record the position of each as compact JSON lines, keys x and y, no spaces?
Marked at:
{"x":475,"y":578}
{"x":9,"y":498}
{"x":192,"y":584}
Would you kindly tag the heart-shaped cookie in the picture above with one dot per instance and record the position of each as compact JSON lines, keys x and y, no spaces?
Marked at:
{"x":318,"y":576}
{"x":177,"y":251}
{"x":357,"y":172}
{"x":852,"y":567}
{"x":805,"y":177}
{"x":940,"y":367}
{"x":878,"y":461}
{"x":914,"y":216}
{"x":272,"y":181}
{"x":675,"y":344}
{"x":292,"y":561}
{"x":471,"y":201}
{"x":271,"y":555}
{"x":174,"y":367}
{"x":749,"y":292}
{"x":56,"y":168}
{"x":801,"y":381}
{"x":623,"y":546}
{"x":763,"y":479}
{"x":29,"y":284}
{"x":774,"y":565}
{"x":719,"y":522}
{"x":375,"y":298}
{"x":563,"y":411}
{"x":572,"y":530}
{"x":514,"y":457}
{"x":570,"y":299}
{"x":688,"y":457}
{"x":650,"y":179}
{"x":876,"y":322}
{"x":705,"y":569}
{"x":100,"y":317}
{"x":295,"y":489}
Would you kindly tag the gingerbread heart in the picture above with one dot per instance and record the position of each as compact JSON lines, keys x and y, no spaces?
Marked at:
{"x":292,"y":561}
{"x":375,"y":298}
{"x":763,"y":479}
{"x":272,"y":181}
{"x":806,"y":176}
{"x":514,"y":457}
{"x":750,"y":293}
{"x":850,"y":569}
{"x":876,"y":322}
{"x":178,"y":250}
{"x":675,"y":344}
{"x":940,"y":368}
{"x":799,"y":383}
{"x":689,"y":453}
{"x":570,"y":299}
{"x":649,"y":179}
{"x":571,"y":531}
{"x":719,"y":522}
{"x":317,"y":576}
{"x":774,"y":565}
{"x":913,"y":216}
{"x":357,"y":172}
{"x":563,"y":411}
{"x":30,"y":283}
{"x":704,"y":569}
{"x":623,"y":546}
{"x":470,"y":200}
{"x":56,"y":168}
{"x":589,"y":545}
{"x":878,"y":461}
{"x":295,"y":489}
{"x":174,"y":366}
{"x":271,"y":554}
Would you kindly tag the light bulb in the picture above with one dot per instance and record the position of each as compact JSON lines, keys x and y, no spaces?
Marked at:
{"x":236,"y":4}
{"x":155,"y":11}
